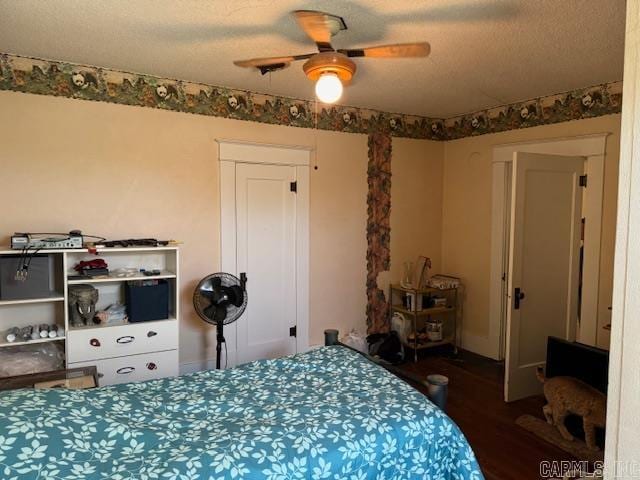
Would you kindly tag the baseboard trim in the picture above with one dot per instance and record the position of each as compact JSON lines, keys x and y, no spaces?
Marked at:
{"x":198,"y":366}
{"x":210,"y":363}
{"x":478,"y":344}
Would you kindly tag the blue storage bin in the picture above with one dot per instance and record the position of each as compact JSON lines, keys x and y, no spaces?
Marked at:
{"x":147,"y":302}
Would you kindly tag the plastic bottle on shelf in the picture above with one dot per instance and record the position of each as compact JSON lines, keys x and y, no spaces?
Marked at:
{"x":44,"y":330}
{"x":12,"y":334}
{"x":25,"y":333}
{"x":35,"y":332}
{"x":53,"y":331}
{"x":56,"y":331}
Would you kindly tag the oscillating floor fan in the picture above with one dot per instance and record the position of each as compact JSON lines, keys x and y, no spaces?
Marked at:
{"x":220,"y":299}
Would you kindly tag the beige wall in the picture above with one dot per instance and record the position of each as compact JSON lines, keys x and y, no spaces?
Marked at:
{"x":416,"y":205}
{"x":121,"y":171}
{"x":466,"y":230}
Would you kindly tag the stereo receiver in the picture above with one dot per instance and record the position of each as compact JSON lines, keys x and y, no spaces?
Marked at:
{"x":22,"y":241}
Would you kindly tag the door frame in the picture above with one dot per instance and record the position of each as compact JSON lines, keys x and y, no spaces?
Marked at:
{"x":231,"y":152}
{"x":593,"y":148}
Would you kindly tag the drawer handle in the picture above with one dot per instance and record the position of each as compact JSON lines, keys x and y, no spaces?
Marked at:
{"x":125,"y":370}
{"x":151,"y":333}
{"x":152,"y":366}
{"x":94,"y":342}
{"x":126,"y":339}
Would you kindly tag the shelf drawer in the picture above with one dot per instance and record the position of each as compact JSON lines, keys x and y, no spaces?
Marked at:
{"x":134,"y":368}
{"x":88,"y":344}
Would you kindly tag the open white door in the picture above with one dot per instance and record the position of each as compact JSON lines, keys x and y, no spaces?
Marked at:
{"x":544,"y":259}
{"x":266,"y":252}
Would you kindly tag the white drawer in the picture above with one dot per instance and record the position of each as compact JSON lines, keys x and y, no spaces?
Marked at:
{"x":131,"y":339}
{"x":134,"y":368}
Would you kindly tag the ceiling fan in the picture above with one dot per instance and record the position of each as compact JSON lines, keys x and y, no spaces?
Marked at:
{"x":331,"y":68}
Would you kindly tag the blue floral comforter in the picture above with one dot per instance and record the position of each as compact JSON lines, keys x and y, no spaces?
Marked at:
{"x":325,"y":414}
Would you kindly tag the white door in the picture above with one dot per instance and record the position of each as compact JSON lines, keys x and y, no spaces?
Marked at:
{"x":266,"y":252}
{"x":546,"y":207}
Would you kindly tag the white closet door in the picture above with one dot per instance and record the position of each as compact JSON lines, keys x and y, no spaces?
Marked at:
{"x":544,"y":256}
{"x":266,"y":251}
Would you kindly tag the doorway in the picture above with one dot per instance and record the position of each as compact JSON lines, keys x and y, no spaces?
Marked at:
{"x":523,"y":347}
{"x":264,"y":234}
{"x":543,"y":263}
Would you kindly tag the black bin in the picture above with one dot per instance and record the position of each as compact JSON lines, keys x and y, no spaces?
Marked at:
{"x":147,"y":302}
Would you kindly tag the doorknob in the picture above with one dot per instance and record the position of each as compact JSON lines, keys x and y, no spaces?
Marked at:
{"x":517,"y":296}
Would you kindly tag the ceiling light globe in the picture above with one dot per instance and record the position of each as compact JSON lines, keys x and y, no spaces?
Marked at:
{"x":329,"y":88}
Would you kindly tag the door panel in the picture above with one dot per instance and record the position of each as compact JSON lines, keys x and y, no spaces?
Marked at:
{"x":266,"y":249}
{"x":544,"y":248}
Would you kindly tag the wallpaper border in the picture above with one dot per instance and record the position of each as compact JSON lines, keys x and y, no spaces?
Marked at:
{"x":48,"y":77}
{"x":70,"y":80}
{"x":378,"y":228}
{"x":587,"y":102}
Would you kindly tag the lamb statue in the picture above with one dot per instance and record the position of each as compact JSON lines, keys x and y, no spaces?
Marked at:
{"x":82,"y":304}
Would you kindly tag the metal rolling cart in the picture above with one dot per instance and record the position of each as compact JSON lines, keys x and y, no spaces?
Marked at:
{"x":419,"y":308}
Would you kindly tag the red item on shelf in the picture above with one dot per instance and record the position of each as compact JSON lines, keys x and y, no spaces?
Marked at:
{"x":84,"y":265}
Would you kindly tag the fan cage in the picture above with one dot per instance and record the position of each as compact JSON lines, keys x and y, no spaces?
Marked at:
{"x":201,"y":302}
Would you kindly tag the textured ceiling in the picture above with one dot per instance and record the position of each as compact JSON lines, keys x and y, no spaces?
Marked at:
{"x":484,"y":52}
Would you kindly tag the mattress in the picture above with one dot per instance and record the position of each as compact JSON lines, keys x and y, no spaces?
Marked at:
{"x":326,"y":414}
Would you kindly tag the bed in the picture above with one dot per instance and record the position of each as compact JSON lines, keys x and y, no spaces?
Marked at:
{"x":325,"y":414}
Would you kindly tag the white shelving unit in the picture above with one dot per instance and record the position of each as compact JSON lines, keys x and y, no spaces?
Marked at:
{"x":162,"y":275}
{"x":31,"y":342}
{"x":53,"y":298}
{"x":122,"y":352}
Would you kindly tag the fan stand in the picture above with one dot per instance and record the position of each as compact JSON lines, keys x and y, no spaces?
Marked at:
{"x":220,"y":340}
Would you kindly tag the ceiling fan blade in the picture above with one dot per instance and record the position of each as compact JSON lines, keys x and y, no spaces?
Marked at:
{"x":263,"y":62}
{"x":319,"y":26}
{"x":398,"y":50}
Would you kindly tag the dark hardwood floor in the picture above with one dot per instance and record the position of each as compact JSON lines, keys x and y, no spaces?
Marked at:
{"x":504,"y":450}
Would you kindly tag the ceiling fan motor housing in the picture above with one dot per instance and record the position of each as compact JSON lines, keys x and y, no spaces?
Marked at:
{"x":330,"y":62}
